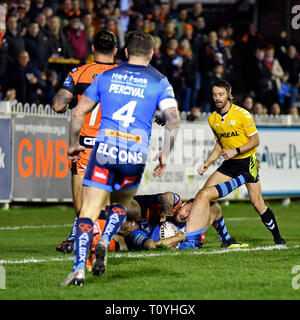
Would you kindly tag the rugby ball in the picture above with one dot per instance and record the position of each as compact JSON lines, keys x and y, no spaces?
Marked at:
{"x":167,"y":230}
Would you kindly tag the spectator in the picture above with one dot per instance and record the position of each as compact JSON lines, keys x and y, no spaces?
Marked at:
{"x":247,"y":46}
{"x":294,"y":112}
{"x":26,"y":79}
{"x":194,"y":115}
{"x":251,"y":40}
{"x":261,"y":78}
{"x":248,"y":103}
{"x":195,"y":13}
{"x":41,"y":19}
{"x":165,"y":12}
{"x":275,"y":109}
{"x":126,"y":13}
{"x":36,"y":8}
{"x":15,"y":42}
{"x":77,"y":38}
{"x":173,"y":64}
{"x":157,"y":59}
{"x":187,"y":82}
{"x":36,"y":47}
{"x":180,"y":22}
{"x":11,"y":96}
{"x":58,"y":46}
{"x":275,"y":68}
{"x":213,"y":54}
{"x":291,"y":64}
{"x":51,"y":87}
{"x":65,"y":12}
{"x":90,"y":33}
{"x":48,"y":12}
{"x":258,"y":108}
{"x":200,"y":31}
{"x":168,"y":33}
{"x":120,"y":32}
{"x":284,"y":92}
{"x":156,"y":17}
{"x":24,"y":13}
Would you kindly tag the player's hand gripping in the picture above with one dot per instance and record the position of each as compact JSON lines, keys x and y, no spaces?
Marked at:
{"x":74,"y":152}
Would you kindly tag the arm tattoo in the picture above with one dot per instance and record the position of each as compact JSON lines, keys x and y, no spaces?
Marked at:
{"x":62,"y":99}
{"x":167,"y":202}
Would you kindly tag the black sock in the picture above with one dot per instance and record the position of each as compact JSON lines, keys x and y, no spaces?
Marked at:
{"x":269,"y":221}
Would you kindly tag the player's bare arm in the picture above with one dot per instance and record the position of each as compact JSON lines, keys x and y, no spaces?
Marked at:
{"x":84,"y":106}
{"x":167,"y":203}
{"x":252,"y":143}
{"x":168,"y":242}
{"x":61,"y":100}
{"x":214,"y":155}
{"x":171,"y":129}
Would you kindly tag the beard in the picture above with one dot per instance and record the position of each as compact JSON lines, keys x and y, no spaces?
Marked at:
{"x":221,"y":104}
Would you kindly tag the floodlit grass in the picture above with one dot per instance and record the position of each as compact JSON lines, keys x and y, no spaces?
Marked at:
{"x":208,"y":273}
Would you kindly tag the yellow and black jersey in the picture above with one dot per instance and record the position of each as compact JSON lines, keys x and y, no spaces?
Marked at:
{"x":233,"y":129}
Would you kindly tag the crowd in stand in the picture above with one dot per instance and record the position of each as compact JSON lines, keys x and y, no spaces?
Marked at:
{"x":40,"y":33}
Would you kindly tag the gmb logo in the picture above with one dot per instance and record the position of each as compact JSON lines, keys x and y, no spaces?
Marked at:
{"x":296,"y":18}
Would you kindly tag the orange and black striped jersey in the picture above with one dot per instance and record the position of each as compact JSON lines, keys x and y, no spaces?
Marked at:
{"x":76,"y":82}
{"x":151,"y":206}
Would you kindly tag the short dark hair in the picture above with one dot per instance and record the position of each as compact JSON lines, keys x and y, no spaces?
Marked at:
{"x":105,"y":41}
{"x":223,"y":84}
{"x":139,"y":43}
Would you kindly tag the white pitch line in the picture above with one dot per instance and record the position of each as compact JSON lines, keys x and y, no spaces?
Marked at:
{"x":44,"y":226}
{"x":241,"y":219}
{"x":157,"y":254}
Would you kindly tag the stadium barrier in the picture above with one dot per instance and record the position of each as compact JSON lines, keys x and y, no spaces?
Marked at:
{"x":34,"y":165}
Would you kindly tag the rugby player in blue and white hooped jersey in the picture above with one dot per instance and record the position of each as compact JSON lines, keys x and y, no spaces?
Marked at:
{"x":129,"y":96}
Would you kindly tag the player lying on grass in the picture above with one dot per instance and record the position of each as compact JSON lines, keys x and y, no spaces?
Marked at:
{"x":169,"y":206}
{"x":141,"y":230}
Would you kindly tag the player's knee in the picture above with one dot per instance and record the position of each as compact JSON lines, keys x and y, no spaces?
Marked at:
{"x":204,"y":194}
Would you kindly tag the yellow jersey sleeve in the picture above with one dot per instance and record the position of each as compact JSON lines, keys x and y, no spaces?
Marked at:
{"x":248,"y":124}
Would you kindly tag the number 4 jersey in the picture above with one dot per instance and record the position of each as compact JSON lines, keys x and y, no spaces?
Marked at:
{"x":129,"y":96}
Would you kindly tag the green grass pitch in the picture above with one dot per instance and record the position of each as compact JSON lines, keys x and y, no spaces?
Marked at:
{"x":34,"y":270}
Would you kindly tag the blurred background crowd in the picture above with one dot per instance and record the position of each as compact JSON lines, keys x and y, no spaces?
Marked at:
{"x":195,"y":45}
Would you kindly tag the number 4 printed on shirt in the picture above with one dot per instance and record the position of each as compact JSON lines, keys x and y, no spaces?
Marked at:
{"x":125,"y":113}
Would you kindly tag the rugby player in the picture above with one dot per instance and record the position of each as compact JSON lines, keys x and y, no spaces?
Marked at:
{"x":236,"y":141}
{"x":144,"y":214}
{"x":129,"y":96}
{"x":150,"y":208}
{"x":104,"y":48}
